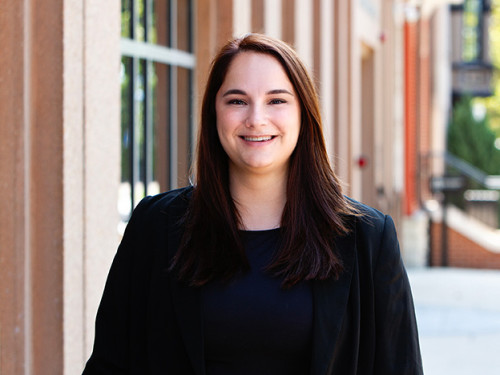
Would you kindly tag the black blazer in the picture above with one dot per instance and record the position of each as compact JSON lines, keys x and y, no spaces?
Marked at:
{"x":147,"y":323}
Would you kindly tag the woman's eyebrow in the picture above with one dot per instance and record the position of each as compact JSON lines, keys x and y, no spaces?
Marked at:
{"x":279,"y":91}
{"x":241,"y":92}
{"x":234,"y":92}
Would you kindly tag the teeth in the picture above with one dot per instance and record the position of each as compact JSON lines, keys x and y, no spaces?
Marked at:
{"x":258,"y":139}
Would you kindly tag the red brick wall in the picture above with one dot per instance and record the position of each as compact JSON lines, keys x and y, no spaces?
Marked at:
{"x":418,"y":107}
{"x":462,"y":252}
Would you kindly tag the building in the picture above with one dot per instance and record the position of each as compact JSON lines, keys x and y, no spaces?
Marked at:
{"x":466,"y":233}
{"x":98,"y":107}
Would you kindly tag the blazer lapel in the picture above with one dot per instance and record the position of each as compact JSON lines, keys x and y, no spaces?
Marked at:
{"x":330,"y":301}
{"x":187,"y":305}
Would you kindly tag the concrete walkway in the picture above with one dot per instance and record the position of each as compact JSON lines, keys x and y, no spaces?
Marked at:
{"x":458,"y":314}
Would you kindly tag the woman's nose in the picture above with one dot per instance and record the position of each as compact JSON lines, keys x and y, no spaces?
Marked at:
{"x":256,"y":116}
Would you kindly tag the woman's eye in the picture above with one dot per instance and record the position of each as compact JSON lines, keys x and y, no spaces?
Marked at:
{"x":236,"y":101}
{"x":277,"y":101}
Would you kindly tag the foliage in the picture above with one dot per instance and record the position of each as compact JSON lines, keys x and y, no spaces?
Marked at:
{"x":492,"y":103}
{"x":473,"y":140}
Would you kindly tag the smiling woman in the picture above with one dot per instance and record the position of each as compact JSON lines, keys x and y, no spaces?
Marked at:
{"x":263,"y":266}
{"x":258,"y":87}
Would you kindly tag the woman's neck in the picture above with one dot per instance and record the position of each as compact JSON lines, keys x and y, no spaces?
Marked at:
{"x":260,"y":199}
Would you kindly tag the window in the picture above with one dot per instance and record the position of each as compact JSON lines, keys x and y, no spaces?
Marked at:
{"x":472,"y":27}
{"x":157,"y":73}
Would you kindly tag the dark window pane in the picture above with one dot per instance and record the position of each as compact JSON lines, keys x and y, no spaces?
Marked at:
{"x":159,"y":11}
{"x":140,"y":31}
{"x":161,"y":139}
{"x":160,"y":23}
{"x":183,"y":125}
{"x":127,"y":18}
{"x":125,"y":195}
{"x":152,"y":35}
{"x":139,"y":133}
{"x":184,"y":8}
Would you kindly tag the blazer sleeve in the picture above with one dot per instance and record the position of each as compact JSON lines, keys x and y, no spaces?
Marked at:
{"x":397,"y":349}
{"x":111,"y":351}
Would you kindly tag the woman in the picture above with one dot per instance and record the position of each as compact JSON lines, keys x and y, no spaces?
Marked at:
{"x":263,"y":267}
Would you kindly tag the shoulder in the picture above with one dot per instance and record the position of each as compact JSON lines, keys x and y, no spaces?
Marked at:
{"x":376,"y":243}
{"x":368,"y":218}
{"x":154,"y":220}
{"x":374,"y":230}
{"x":174,"y":201}
{"x":153,"y":211}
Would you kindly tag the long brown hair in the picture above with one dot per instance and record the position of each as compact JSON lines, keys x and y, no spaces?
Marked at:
{"x":315,"y":211}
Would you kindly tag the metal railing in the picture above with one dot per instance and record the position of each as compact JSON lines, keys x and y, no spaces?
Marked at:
{"x":480,"y":195}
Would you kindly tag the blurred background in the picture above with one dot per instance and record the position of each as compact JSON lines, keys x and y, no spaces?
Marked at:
{"x":99,"y":107}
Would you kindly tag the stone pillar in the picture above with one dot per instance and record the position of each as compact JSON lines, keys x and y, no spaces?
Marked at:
{"x":59,"y":173}
{"x":14,"y":189}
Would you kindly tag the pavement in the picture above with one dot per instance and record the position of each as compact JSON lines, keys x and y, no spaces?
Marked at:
{"x":458,"y":316}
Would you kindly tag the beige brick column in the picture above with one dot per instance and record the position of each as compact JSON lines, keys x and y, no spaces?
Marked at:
{"x":59,"y":174}
{"x":14,"y":189}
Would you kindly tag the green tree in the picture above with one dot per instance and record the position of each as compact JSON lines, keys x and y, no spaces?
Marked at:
{"x":473,"y":140}
{"x":492,"y":103}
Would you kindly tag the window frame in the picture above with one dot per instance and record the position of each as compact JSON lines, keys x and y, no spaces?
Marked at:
{"x":149,"y":53}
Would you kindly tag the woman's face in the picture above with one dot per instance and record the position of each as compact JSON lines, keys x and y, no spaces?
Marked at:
{"x":258,"y":114}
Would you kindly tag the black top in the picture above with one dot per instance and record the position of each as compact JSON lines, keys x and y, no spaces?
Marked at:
{"x":252,"y":325}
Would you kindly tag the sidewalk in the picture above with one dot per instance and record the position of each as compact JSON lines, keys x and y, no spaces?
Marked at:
{"x":458,"y":315}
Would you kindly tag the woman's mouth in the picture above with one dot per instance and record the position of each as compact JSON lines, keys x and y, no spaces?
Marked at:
{"x":263,"y":138}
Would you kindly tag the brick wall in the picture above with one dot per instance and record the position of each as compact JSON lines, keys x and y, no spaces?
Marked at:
{"x":462,"y":252}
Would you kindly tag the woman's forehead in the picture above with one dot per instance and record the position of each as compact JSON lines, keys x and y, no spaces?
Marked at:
{"x":257,"y":70}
